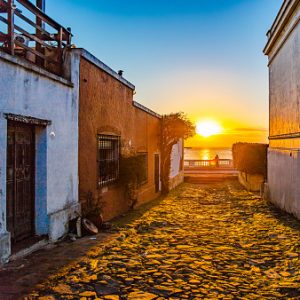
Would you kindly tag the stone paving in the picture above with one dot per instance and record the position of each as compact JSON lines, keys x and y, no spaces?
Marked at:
{"x":200,"y":242}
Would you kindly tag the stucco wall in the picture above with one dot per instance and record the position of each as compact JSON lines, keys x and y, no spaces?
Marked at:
{"x":106,"y":107}
{"x":34,"y":94}
{"x":176,"y":172}
{"x":285,"y":88}
{"x":283,"y":155}
{"x":252,"y":182}
{"x":284,"y":180}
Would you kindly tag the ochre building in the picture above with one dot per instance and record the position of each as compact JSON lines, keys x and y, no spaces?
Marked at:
{"x":111,"y":126}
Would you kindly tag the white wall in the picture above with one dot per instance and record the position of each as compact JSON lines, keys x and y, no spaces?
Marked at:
{"x":176,"y":172}
{"x":176,"y":159}
{"x":283,"y":156}
{"x":284,"y":179}
{"x":28,"y":93}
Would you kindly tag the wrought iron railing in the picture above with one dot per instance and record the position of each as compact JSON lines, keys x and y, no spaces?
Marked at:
{"x":206,"y":164}
{"x":27,"y":32}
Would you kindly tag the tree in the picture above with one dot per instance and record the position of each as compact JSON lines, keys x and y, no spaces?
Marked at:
{"x":175,"y":126}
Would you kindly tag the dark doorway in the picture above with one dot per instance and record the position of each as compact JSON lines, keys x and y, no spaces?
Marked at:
{"x":156,"y":172}
{"x":20,"y":180}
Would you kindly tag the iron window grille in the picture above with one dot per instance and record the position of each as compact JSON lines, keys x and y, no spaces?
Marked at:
{"x":108,"y":159}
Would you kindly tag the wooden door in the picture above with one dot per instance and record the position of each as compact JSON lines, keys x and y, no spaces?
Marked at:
{"x":156,"y":172}
{"x":20,"y":180}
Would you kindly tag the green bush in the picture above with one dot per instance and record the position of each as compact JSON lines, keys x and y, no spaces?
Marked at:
{"x":250,"y":158}
{"x":132,"y":169}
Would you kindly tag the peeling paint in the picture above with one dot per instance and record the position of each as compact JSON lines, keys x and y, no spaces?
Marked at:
{"x":34,"y":96}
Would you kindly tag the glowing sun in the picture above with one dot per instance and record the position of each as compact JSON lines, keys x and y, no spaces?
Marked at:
{"x":208,"y":128}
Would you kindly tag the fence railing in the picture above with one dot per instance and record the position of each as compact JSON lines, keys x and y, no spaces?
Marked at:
{"x":27,"y":32}
{"x":206,"y":164}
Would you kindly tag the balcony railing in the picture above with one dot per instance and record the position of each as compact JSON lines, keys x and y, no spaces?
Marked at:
{"x":27,"y":32}
{"x":209,"y":164}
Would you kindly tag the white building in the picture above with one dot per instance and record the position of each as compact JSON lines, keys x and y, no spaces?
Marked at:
{"x":283,"y":49}
{"x":38,"y":137}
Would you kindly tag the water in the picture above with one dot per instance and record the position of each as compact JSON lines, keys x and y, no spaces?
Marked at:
{"x":207,"y":153}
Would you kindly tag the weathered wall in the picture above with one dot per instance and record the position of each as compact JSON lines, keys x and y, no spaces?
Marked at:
{"x":284,"y":180}
{"x":176,"y":172}
{"x":252,"y":182}
{"x":106,"y":107}
{"x":28,"y":91}
{"x":149,"y":137}
{"x":283,"y":155}
{"x":285,"y":88}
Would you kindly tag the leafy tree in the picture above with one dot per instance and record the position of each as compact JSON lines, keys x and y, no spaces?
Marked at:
{"x":175,"y":126}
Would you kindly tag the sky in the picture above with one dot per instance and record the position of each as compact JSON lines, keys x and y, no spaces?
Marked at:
{"x":201,"y":57}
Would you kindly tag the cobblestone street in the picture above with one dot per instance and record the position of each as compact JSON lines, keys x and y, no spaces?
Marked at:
{"x":211,"y":241}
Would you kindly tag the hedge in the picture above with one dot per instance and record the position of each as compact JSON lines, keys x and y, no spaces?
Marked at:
{"x":250,"y":158}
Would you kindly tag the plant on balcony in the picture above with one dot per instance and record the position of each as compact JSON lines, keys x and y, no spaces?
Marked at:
{"x":175,"y":126}
{"x":132,"y":173}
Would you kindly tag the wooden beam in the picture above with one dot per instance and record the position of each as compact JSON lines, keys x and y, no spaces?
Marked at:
{"x":41,"y":15}
{"x":3,"y":37}
{"x":3,"y":6}
{"x":11,"y":29}
{"x":40,"y":55}
{"x":38,"y":33}
{"x":41,"y":4}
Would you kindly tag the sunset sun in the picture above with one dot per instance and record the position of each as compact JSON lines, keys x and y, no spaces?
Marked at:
{"x":208,"y":128}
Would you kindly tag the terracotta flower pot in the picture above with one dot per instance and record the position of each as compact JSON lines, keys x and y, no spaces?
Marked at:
{"x":97,"y":220}
{"x":89,"y":227}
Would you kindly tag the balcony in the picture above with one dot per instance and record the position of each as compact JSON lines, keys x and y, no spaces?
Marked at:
{"x":27,"y":32}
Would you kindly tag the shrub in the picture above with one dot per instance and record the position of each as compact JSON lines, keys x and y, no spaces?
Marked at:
{"x":250,"y":158}
{"x":132,"y":174}
{"x":132,"y":169}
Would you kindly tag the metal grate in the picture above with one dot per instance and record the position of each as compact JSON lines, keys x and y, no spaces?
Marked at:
{"x":108,"y":158}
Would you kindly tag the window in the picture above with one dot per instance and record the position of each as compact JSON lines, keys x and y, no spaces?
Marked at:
{"x":143,"y":176}
{"x":108,"y":158}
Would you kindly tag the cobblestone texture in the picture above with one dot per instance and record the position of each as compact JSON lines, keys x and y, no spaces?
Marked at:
{"x":213,"y":242}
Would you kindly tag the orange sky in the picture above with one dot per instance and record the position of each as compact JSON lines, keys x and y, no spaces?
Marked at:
{"x":249,"y":135}
{"x":241,"y":109}
{"x":232,"y":132}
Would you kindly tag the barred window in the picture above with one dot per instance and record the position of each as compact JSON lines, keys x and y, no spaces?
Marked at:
{"x":108,"y":158}
{"x":143,"y":178}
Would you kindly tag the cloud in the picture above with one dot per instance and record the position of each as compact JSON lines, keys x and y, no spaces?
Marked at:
{"x":246,"y":131}
{"x":251,"y":129}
